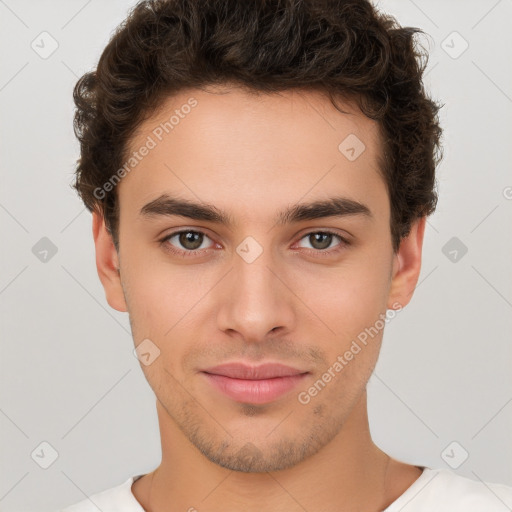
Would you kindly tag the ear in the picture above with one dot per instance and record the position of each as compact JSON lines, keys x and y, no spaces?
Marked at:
{"x":107,"y":263}
{"x":407,"y":266}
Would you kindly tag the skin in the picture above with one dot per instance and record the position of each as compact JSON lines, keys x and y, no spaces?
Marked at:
{"x":252,"y":156}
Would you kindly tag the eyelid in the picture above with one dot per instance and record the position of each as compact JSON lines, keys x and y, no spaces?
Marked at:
{"x":343,"y":236}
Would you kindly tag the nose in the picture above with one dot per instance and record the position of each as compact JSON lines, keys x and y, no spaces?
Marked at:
{"x":255,"y":300}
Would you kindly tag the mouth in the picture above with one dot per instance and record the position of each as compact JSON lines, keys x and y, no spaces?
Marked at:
{"x":254,"y":384}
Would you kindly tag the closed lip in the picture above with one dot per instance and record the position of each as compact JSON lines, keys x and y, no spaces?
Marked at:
{"x":250,"y":372}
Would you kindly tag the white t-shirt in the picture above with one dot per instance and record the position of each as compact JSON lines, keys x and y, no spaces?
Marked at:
{"x":436,"y":490}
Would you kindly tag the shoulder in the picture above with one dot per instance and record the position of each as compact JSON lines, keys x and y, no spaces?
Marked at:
{"x":116,"y":499}
{"x":443,"y":490}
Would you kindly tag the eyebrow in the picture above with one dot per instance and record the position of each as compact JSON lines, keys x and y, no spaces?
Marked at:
{"x":166,"y":205}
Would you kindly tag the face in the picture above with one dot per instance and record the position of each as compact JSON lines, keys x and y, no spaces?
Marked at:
{"x":286,"y":260}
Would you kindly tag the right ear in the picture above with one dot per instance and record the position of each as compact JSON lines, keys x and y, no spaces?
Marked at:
{"x":107,"y":263}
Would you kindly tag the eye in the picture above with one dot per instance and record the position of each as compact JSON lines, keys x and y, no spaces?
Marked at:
{"x":321,"y":240}
{"x":186,"y":241}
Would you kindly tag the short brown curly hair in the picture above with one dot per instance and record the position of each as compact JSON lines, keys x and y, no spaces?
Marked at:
{"x":344,"y":48}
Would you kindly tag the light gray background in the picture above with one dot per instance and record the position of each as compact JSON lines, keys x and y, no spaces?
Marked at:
{"x":68,"y":375}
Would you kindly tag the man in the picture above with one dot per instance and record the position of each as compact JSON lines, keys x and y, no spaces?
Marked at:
{"x":260,"y":174}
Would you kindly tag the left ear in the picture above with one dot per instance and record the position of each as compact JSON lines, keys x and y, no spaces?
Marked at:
{"x":407,"y":265}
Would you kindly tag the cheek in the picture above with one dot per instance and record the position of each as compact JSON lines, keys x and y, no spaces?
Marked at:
{"x":350,"y":297}
{"x":155,"y":285}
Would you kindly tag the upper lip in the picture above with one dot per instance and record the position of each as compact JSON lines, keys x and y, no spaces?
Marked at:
{"x":249,"y":372}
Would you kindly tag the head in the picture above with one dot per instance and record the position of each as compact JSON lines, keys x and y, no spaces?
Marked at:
{"x":259,"y":173}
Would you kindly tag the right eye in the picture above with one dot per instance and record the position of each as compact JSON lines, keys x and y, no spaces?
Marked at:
{"x":186,"y":242}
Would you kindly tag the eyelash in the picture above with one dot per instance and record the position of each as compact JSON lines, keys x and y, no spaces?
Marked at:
{"x":191,"y":253}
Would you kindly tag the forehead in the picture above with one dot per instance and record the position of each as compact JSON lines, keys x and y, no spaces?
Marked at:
{"x":230,"y":114}
{"x":228,"y":145}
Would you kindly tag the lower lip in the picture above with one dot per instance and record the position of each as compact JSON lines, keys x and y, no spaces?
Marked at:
{"x":254,"y":391}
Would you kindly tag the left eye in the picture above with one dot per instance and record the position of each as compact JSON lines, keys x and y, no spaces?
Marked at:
{"x":321,"y":240}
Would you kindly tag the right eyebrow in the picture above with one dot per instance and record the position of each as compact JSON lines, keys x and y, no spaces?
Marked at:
{"x":166,"y":205}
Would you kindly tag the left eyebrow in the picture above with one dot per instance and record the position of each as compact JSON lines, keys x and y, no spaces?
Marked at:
{"x":332,"y":207}
{"x":166,"y":205}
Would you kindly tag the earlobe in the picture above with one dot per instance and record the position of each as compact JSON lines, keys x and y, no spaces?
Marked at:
{"x":107,"y":263}
{"x":407,"y":266}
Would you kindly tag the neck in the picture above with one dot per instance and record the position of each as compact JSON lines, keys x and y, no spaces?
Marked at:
{"x":350,"y":473}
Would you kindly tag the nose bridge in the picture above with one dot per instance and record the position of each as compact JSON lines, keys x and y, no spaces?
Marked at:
{"x":254,"y":301}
